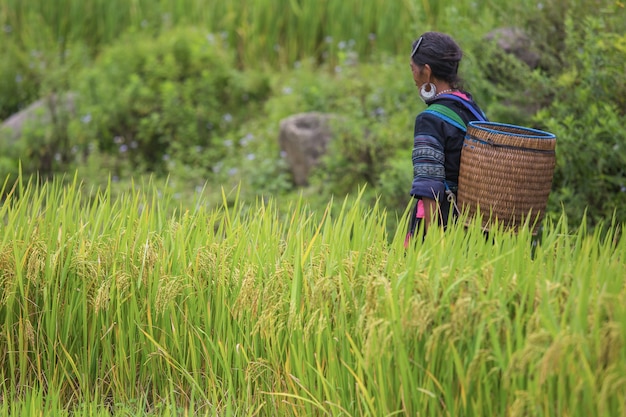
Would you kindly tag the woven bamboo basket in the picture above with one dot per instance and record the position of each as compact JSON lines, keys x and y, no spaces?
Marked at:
{"x":506,"y":174}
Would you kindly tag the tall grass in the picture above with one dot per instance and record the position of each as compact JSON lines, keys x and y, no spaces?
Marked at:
{"x":277,"y":31}
{"x":137,"y":306}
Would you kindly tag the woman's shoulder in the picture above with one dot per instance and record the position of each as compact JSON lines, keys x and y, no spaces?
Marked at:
{"x":427,"y":120}
{"x":429,"y":124}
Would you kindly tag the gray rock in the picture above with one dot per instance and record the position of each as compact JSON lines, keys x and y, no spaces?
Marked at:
{"x":39,"y":112}
{"x":304,"y":139}
{"x":516,"y":42}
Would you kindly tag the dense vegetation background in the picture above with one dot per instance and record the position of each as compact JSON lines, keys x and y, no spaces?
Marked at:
{"x":195,"y":90}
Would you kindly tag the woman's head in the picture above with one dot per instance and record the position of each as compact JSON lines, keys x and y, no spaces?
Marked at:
{"x":441,"y":53}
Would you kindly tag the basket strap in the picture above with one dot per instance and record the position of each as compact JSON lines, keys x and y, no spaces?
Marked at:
{"x":447,"y":114}
{"x":478,"y":114}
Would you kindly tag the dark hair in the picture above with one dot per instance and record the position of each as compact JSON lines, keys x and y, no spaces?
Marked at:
{"x":441,"y":53}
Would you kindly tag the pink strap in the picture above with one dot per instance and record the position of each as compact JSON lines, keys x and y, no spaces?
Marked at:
{"x":459,"y":94}
{"x":420,"y":209}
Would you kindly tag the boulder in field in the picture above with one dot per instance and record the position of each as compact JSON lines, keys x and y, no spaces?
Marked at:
{"x":42,"y":112}
{"x":515,"y":41}
{"x":303,"y":139}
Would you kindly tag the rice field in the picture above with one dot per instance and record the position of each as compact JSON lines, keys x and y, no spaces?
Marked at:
{"x":137,"y":305}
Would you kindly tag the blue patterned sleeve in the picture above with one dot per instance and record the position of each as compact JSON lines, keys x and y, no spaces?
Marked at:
{"x":428,"y":167}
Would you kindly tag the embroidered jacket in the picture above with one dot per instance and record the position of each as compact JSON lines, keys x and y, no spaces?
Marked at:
{"x":437,"y":147}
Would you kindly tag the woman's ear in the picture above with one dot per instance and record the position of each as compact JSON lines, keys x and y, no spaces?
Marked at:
{"x":427,"y":72}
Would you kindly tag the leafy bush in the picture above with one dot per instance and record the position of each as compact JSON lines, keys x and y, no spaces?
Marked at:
{"x":587,"y":117}
{"x":551,"y":24}
{"x":151,"y":101}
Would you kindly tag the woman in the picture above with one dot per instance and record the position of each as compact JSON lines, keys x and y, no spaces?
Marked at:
{"x":440,"y":129}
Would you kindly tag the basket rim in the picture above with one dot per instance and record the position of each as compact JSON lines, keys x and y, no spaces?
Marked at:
{"x":532,"y":133}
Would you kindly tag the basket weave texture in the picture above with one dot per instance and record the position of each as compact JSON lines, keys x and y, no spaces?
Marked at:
{"x":506,"y":174}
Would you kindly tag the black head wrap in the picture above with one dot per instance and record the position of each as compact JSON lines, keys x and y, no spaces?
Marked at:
{"x":440,"y":52}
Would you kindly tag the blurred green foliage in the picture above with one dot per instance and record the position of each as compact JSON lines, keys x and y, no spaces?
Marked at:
{"x":168,"y":98}
{"x":17,"y":88}
{"x":202,"y":108}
